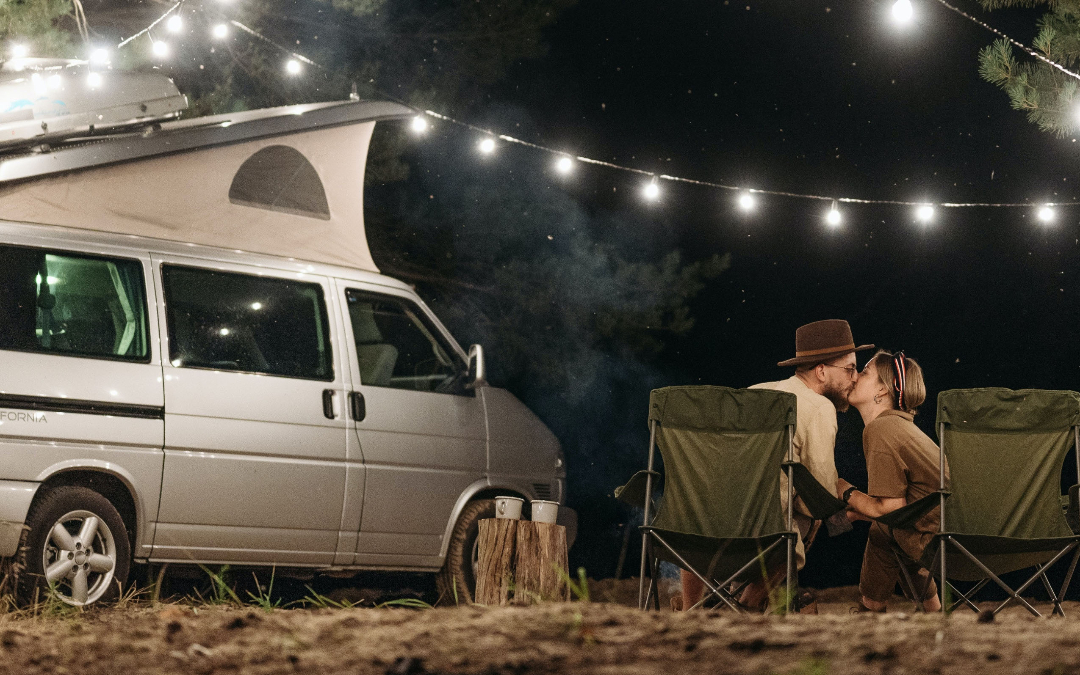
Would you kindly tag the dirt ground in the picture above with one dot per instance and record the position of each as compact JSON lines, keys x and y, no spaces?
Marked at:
{"x":596,"y":637}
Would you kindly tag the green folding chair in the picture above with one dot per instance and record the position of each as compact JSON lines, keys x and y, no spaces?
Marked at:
{"x":1005,"y":450}
{"x":719,"y":516}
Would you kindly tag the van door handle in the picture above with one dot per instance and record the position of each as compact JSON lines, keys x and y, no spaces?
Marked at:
{"x":328,"y":404}
{"x":357,"y":406}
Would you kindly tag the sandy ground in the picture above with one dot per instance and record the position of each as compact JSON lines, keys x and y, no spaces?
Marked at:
{"x":578,"y":637}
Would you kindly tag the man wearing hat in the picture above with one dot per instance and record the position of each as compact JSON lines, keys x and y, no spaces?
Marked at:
{"x":825,"y":373}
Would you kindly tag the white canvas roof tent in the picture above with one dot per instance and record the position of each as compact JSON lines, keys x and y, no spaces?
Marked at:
{"x":282,"y":181}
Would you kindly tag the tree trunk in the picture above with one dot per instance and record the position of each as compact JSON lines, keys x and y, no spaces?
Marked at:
{"x":540,"y":564}
{"x":495,"y":569}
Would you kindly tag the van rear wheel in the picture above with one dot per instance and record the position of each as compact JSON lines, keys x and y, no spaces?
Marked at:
{"x":77,"y":546}
{"x":456,"y":581}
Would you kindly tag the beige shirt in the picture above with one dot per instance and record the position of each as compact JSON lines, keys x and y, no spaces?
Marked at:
{"x":815,"y":435}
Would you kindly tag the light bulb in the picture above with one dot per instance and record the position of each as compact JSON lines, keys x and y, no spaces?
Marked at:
{"x":20,"y":51}
{"x":925,"y":213}
{"x":93,"y":80}
{"x":1046,"y":214}
{"x":833,"y":216}
{"x":487,"y":146}
{"x":160,"y":49}
{"x":99,"y":56}
{"x":220,"y":31}
{"x":55,"y":81}
{"x":38,"y":83}
{"x":747,"y":202}
{"x":292,"y":67}
{"x":902,"y":10}
{"x":419,"y":124}
{"x":174,"y":24}
{"x":651,"y":191}
{"x":565,"y":165}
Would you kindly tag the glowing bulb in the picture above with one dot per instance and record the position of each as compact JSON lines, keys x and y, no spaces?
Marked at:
{"x":54,"y":81}
{"x":1046,"y":214}
{"x":99,"y":56}
{"x":160,"y":49}
{"x":833,"y":216}
{"x":93,"y":80}
{"x":256,"y":305}
{"x":419,"y":124}
{"x":174,"y":24}
{"x":292,"y":67}
{"x":487,"y":146}
{"x":223,"y":331}
{"x":651,"y":191}
{"x":902,"y":10}
{"x":924,"y":214}
{"x":220,"y":31}
{"x":39,"y":84}
{"x":20,"y":51}
{"x":565,"y":165}
{"x":747,"y":202}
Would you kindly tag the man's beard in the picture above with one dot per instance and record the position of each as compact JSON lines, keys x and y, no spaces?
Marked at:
{"x":838,"y":394}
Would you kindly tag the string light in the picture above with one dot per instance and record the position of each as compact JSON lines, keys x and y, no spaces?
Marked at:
{"x":924,"y":214}
{"x":564,"y":165}
{"x":220,"y":31}
{"x":100,"y":56}
{"x":38,"y":82}
{"x":93,"y":80}
{"x":55,"y":81}
{"x":293,"y":67}
{"x":651,"y":191}
{"x":833,"y":216}
{"x":1046,"y":214}
{"x":902,"y":10}
{"x":20,"y":51}
{"x":174,"y":24}
{"x":419,"y":124}
{"x":747,"y":202}
{"x":487,"y":146}
{"x":160,"y":49}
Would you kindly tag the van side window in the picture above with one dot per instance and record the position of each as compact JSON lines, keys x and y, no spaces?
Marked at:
{"x":246,"y":323}
{"x":73,"y":304}
{"x":396,"y":347}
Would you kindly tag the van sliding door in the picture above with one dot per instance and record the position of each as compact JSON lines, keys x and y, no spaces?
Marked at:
{"x":254,"y":431}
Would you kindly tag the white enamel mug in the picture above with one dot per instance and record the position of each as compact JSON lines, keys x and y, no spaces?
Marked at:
{"x":544,"y":511}
{"x":508,"y":507}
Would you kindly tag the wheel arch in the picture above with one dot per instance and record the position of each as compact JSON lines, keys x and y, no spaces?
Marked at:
{"x":106,"y":481}
{"x":478,"y":490}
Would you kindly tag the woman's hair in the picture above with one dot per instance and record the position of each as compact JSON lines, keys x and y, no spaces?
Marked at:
{"x":902,"y":377}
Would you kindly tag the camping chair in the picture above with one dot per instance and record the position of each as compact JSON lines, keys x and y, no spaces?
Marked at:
{"x":719,"y":516}
{"x":1005,"y":450}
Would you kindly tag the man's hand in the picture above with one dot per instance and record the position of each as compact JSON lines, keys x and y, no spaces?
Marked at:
{"x":842,"y":485}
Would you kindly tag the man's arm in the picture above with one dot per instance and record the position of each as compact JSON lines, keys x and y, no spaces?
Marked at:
{"x":818,"y":452}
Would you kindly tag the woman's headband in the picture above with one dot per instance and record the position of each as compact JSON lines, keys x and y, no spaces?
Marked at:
{"x":899,"y":377}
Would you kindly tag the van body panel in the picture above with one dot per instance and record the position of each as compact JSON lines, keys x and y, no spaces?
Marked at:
{"x":15,"y":498}
{"x":523,"y":449}
{"x":248,"y":453}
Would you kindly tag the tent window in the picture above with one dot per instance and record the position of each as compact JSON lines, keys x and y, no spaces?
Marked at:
{"x":279,"y":178}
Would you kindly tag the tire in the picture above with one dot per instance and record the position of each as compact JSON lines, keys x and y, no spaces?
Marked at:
{"x":456,"y":581}
{"x":79,"y":578}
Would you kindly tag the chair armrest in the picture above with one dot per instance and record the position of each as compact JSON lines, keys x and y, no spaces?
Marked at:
{"x":905,"y":517}
{"x":633,"y":493}
{"x":1072,"y":510}
{"x":819,"y":500}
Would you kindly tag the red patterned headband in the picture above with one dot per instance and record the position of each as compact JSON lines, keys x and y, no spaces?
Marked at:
{"x":899,"y":377}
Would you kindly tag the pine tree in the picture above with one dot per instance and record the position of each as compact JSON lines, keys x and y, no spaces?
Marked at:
{"x":1047,"y":95}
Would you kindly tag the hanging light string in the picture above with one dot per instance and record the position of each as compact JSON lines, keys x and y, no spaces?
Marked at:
{"x":1028,"y":50}
{"x":651,"y":189}
{"x":146,"y":31}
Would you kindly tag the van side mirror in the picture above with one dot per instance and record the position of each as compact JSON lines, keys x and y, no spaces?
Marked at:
{"x":477,"y":371}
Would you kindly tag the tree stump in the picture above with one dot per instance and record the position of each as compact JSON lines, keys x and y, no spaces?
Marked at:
{"x":495,"y":570}
{"x":540,"y":563}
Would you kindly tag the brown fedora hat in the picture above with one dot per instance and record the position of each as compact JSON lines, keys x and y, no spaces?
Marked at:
{"x":823,"y":341}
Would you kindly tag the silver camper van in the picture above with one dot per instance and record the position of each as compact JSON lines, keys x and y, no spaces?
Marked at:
{"x":199,"y":363}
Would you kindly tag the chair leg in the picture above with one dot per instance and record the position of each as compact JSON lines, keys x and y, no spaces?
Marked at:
{"x":656,"y":583}
{"x":909,"y":585}
{"x":1050,"y":591}
{"x":645,"y":534}
{"x":1069,"y":574}
{"x":966,"y":597}
{"x":1013,"y":595}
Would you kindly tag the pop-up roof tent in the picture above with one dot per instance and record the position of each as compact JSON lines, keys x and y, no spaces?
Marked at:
{"x":282,"y":181}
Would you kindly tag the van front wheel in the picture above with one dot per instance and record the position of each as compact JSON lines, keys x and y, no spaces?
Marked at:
{"x":456,"y":581}
{"x":77,"y":546}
